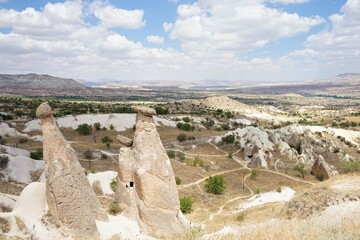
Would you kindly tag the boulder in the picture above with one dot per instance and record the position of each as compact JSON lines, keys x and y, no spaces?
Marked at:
{"x":124,"y":141}
{"x":147,"y":190}
{"x":321,"y":170}
{"x":70,"y":198}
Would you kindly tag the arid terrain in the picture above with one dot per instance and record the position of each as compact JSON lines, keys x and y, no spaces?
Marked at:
{"x":289,"y":162}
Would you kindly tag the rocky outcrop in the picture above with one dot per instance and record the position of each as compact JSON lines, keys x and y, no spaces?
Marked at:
{"x":322,"y":170}
{"x":70,"y":198}
{"x":147,"y":191}
{"x":124,"y":141}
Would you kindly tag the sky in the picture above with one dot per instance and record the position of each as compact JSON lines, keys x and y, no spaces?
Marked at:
{"x":181,"y":40}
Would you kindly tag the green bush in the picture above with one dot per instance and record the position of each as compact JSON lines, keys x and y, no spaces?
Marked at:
{"x":4,"y":160}
{"x":88,"y":154}
{"x":186,"y":119}
{"x":161,"y":111}
{"x":350,"y":166}
{"x":253,"y":174}
{"x":215,"y":184}
{"x":181,"y":137}
{"x":178,"y":180}
{"x":336,"y":150}
{"x":228,"y":139}
{"x":181,"y":156}
{"x":300,"y":167}
{"x":186,"y":205}
{"x":114,"y":208}
{"x":198,"y":162}
{"x":113,"y":184}
{"x":171,"y":154}
{"x":97,"y":126}
{"x":37,"y":155}
{"x":225,"y":127}
{"x":184,"y":126}
{"x":107,"y":141}
{"x":84,"y":129}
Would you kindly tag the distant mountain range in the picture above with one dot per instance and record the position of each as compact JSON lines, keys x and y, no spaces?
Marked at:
{"x":46,"y":85}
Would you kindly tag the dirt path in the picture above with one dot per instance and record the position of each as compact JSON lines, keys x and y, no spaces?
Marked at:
{"x":203,"y":179}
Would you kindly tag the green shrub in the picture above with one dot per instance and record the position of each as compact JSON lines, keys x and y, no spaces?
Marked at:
{"x":300,"y":167}
{"x":97,"y":126}
{"x":257,"y":191}
{"x":215,"y":184}
{"x":225,"y":127}
{"x":350,"y":166}
{"x":198,"y":162}
{"x":181,"y":156}
{"x":114,"y":208}
{"x":84,"y":129}
{"x":253,"y":174}
{"x":161,"y":111}
{"x":178,"y":180}
{"x":171,"y":154}
{"x":184,"y":126}
{"x":4,"y":161}
{"x":107,"y":141}
{"x":186,"y":119}
{"x":37,"y":155}
{"x":181,"y":137}
{"x":186,"y":205}
{"x":113,"y":184}
{"x":336,"y":150}
{"x":88,"y":154}
{"x":228,"y":139}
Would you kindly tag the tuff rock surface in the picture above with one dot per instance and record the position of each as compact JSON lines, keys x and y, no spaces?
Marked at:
{"x":322,"y":170}
{"x":147,"y":191}
{"x":71,"y":200}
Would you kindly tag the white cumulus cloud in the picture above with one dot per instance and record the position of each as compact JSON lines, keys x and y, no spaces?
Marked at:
{"x":231,"y":25}
{"x":289,"y":1}
{"x":155,"y":39}
{"x":113,"y":17}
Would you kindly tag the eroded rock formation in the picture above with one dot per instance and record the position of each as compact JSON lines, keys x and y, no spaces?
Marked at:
{"x":322,"y":170}
{"x":70,"y":198}
{"x":147,"y":191}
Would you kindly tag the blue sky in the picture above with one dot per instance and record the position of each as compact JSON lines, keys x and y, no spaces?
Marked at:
{"x":184,"y":41}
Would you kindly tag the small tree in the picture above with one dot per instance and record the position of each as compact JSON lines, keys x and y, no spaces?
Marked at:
{"x":88,"y":154}
{"x":186,"y":205}
{"x":228,"y":139}
{"x":111,"y":127}
{"x":300,"y":167}
{"x":215,"y":184}
{"x":84,"y":129}
{"x":107,"y":141}
{"x":181,"y":137}
{"x":97,"y":126}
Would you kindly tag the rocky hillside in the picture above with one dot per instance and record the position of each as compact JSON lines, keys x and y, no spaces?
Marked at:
{"x":40,"y":85}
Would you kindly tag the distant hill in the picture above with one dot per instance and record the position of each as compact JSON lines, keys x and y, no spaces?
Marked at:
{"x":41,"y":85}
{"x":36,"y":81}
